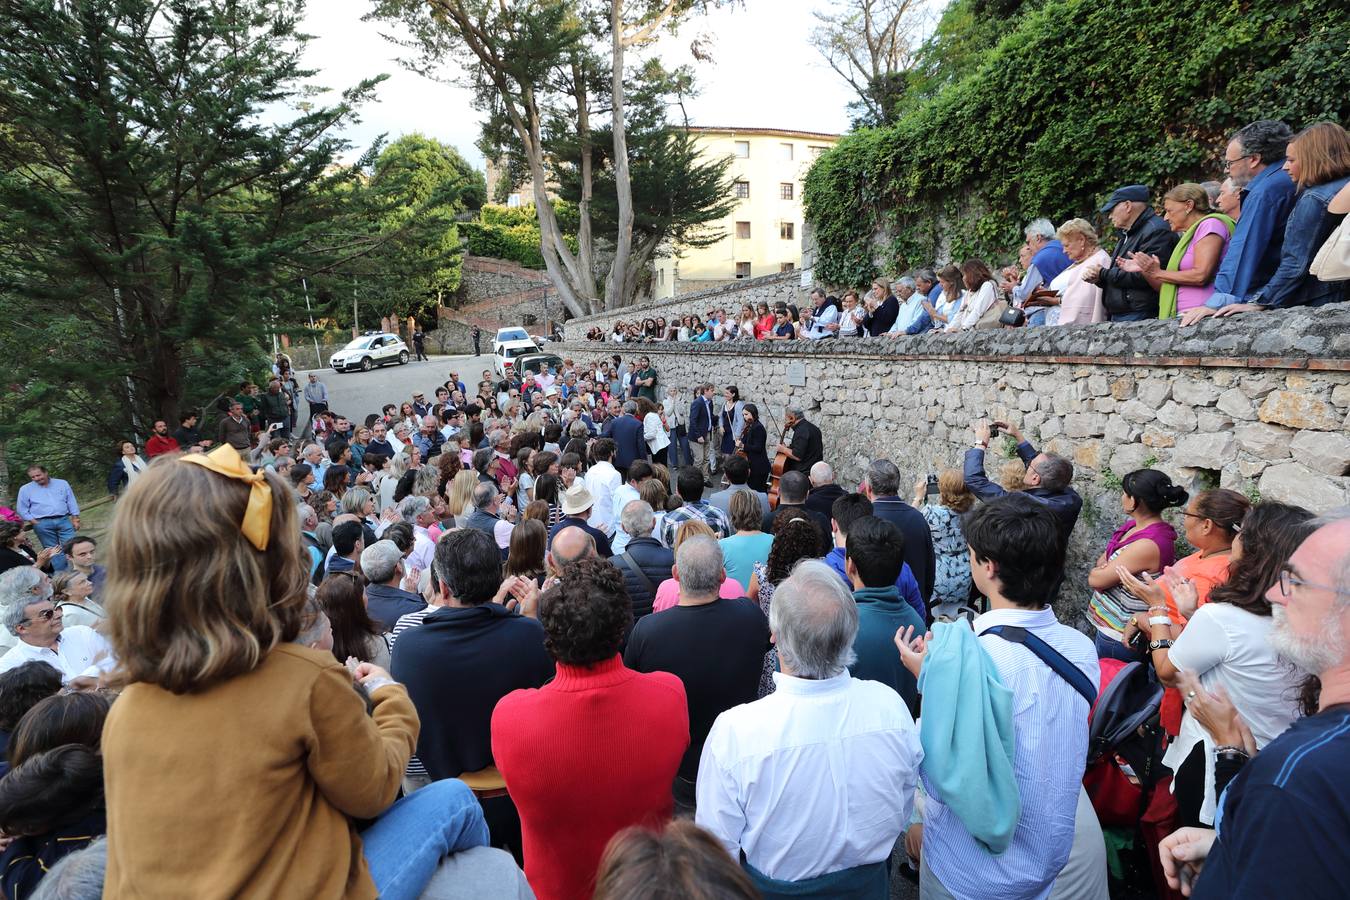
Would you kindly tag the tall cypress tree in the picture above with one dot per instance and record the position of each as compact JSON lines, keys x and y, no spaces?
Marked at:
{"x":163,"y":185}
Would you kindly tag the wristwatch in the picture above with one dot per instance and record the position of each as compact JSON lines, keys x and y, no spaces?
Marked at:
{"x":1159,"y":645}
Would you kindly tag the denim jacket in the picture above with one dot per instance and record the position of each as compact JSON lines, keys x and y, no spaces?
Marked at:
{"x":1254,"y":252}
{"x":1308,"y":228}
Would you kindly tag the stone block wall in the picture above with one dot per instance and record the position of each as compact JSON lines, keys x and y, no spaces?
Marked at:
{"x":1259,"y":403}
{"x":770,"y":289}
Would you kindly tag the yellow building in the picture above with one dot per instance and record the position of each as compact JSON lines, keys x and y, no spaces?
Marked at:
{"x":763,"y":234}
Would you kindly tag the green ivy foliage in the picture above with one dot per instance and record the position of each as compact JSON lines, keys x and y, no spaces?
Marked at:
{"x":512,"y":232}
{"x":1067,"y":100}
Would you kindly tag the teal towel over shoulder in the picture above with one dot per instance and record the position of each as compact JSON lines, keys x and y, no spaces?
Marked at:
{"x":967,"y":734}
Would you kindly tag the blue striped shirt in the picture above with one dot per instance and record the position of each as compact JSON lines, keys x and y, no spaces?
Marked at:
{"x":1050,"y":721}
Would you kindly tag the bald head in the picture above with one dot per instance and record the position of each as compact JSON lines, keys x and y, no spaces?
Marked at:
{"x":821,"y":474}
{"x":570,"y":545}
{"x":346,"y":517}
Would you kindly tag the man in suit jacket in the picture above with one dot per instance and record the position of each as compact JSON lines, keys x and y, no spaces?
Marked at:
{"x":629,"y":442}
{"x":823,"y":489}
{"x":737,"y":471}
{"x":702,"y":423}
{"x":882,"y":487}
{"x":807,"y":447}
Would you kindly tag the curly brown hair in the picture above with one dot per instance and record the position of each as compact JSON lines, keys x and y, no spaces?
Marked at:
{"x":795,"y":538}
{"x":586,"y":613}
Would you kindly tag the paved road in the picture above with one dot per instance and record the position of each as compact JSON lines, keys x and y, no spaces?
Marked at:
{"x":358,"y":394}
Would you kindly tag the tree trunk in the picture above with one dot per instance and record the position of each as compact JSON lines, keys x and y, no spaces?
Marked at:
{"x":623,"y":186}
{"x":585,"y":242}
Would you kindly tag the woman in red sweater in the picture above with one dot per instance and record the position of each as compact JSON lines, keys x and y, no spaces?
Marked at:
{"x":596,"y":749}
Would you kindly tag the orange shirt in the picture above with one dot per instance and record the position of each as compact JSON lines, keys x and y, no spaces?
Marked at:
{"x":1204,"y":573}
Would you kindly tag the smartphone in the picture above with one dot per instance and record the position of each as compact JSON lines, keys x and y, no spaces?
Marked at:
{"x":993,"y":430}
{"x":933,"y":490}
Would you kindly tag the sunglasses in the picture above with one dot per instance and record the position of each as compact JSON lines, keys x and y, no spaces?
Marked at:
{"x":46,"y":615}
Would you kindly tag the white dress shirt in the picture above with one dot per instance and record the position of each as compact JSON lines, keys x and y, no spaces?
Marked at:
{"x":815,"y":778}
{"x":602,"y":480}
{"x":1050,"y":725}
{"x":974,"y":306}
{"x":623,"y":495}
{"x":79,"y":652}
{"x":424,"y":549}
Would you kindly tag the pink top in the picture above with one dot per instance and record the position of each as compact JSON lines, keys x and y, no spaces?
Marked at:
{"x":668,"y":593}
{"x":1160,"y":533}
{"x":1081,"y":302}
{"x":1191,"y":297}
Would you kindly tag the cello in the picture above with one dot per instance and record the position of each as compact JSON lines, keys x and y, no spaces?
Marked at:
{"x":780,"y":462}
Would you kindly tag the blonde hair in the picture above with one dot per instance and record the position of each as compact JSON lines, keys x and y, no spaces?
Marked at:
{"x":1190,"y":192}
{"x":1012,"y":475}
{"x":1323,"y":153}
{"x":692,"y":528}
{"x":955,"y":495}
{"x":461,"y":492}
{"x":1081,"y":227}
{"x":195,"y":604}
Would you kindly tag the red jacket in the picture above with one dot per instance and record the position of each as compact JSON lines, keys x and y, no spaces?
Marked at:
{"x":585,"y":756}
{"x":160,"y":444}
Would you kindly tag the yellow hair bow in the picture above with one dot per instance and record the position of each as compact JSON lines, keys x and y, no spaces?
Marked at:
{"x":225,"y":460}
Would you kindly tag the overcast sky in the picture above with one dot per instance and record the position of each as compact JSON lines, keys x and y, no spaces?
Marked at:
{"x":764,"y":74}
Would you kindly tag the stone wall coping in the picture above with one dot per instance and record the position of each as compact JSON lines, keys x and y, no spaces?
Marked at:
{"x":1302,"y":339}
{"x":655,"y":306}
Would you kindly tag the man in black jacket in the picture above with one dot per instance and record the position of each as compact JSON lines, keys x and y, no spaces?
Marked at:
{"x":644,"y":562}
{"x":807,"y":447}
{"x":1127,"y":296}
{"x":464,"y":657}
{"x":823,"y":489}
{"x":702,"y":425}
{"x":882,"y":487}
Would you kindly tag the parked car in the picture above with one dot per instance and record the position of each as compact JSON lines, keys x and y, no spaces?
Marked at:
{"x":537,"y":362}
{"x":505,"y":355}
{"x":374,"y":348}
{"x":508,"y":335}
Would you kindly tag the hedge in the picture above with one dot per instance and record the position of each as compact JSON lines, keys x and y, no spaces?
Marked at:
{"x":1074,"y":99}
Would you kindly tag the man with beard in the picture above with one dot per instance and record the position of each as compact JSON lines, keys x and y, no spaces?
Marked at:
{"x":1282,"y":821}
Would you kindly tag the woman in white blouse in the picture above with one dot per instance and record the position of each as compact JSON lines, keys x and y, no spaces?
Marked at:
{"x":980,"y":295}
{"x":850,"y":319}
{"x":653,"y":429}
{"x":950,"y":300}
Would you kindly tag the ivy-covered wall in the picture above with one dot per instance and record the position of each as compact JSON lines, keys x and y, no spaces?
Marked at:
{"x":1041,"y":108}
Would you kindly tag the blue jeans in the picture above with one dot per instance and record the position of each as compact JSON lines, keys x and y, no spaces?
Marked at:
{"x":407,"y":843}
{"x":54,"y":533}
{"x":1112,"y":648}
{"x":678,"y":453}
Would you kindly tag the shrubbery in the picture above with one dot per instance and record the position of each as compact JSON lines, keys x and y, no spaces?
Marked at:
{"x":512,"y":233}
{"x":1070,"y":100}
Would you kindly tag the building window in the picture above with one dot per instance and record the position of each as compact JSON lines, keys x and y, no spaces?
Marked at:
{"x":661,"y":277}
{"x":785,"y":190}
{"x":742,"y":149}
{"x":785,"y":151}
{"x":786,"y":267}
{"x":786,"y":230}
{"x":743,"y":230}
{"x":743,"y":270}
{"x":513,"y":201}
{"x":742,"y":190}
{"x":816,"y":151}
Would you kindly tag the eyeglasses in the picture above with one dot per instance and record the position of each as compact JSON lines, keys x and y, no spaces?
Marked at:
{"x":1229,"y":163}
{"x":1288,"y":581}
{"x":46,"y":615}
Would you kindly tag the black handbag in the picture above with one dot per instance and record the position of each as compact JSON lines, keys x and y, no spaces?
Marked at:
{"x":1013,"y":317}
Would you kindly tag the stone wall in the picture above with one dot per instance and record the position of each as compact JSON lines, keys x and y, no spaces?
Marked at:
{"x":1259,"y":403}
{"x":495,"y":293}
{"x":770,"y":289}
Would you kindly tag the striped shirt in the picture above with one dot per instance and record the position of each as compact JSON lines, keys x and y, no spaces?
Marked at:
{"x":1050,"y":721}
{"x":415,"y":768}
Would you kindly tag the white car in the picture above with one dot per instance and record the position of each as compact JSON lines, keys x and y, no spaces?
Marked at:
{"x":505,"y":353}
{"x":508,"y":335}
{"x":372,"y":349}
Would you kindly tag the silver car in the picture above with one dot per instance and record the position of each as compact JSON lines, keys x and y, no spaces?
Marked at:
{"x":370,"y":350}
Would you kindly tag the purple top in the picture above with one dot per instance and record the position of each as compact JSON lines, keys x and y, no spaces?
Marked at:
{"x":1191,"y":297}
{"x":1160,"y":533}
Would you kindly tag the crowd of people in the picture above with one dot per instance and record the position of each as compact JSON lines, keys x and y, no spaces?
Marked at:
{"x":571,"y":634}
{"x":1266,"y":235}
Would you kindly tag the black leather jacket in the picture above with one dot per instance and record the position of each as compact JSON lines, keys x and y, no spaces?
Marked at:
{"x":1129,"y":292}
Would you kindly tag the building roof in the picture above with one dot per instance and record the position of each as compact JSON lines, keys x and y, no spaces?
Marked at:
{"x":778,"y":132}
